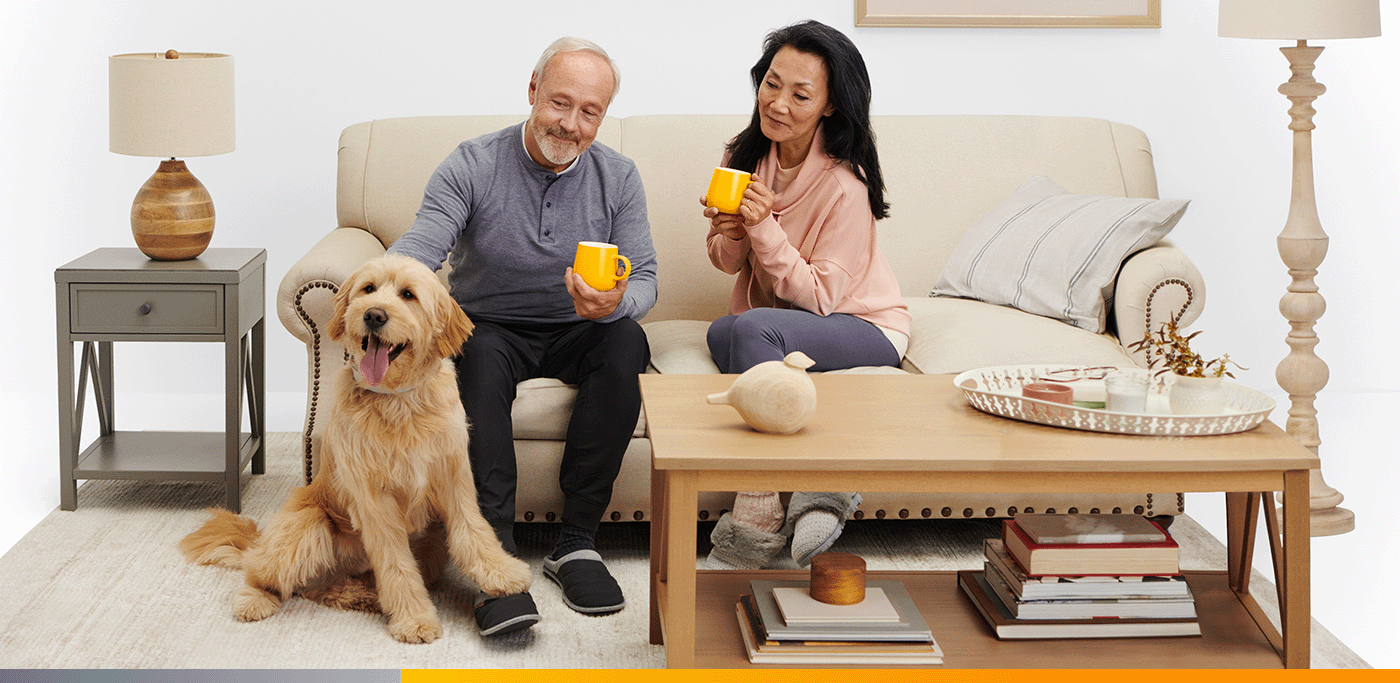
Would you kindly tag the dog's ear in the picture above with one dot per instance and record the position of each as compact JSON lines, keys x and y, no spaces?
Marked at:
{"x":456,"y":326}
{"x":335,"y":327}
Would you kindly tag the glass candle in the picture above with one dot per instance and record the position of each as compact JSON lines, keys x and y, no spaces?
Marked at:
{"x":1126,"y":393}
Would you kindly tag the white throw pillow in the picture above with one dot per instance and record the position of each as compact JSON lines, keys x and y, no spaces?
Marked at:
{"x":1055,"y":254}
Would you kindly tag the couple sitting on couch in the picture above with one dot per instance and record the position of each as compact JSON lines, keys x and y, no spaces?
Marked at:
{"x":507,"y":209}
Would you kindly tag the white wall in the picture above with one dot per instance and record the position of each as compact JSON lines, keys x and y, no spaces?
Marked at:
{"x":305,"y":70}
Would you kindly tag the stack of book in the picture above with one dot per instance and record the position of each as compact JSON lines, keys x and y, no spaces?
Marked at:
{"x":782,"y":624}
{"x":1082,"y":576}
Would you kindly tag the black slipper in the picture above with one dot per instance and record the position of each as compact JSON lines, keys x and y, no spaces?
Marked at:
{"x":506,"y":614}
{"x":587,"y":585}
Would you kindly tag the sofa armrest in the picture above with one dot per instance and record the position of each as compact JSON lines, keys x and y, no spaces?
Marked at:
{"x":1163,"y":279}
{"x":304,"y":304}
{"x":303,"y":299}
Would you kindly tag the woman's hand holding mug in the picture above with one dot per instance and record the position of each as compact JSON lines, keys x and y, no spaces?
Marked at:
{"x":757,"y":204}
{"x":728,"y":224}
{"x":735,"y":202}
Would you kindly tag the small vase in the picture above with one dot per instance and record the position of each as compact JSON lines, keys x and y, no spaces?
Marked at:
{"x":1197,"y":396}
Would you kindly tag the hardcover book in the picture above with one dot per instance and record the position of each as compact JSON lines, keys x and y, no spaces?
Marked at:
{"x":1007,"y":627}
{"x":1052,"y":529}
{"x":762,"y":651}
{"x":1089,"y":608}
{"x":1027,"y":587}
{"x":1083,"y":559}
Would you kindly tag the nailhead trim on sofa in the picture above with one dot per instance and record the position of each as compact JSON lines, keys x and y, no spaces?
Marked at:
{"x":307,"y":474}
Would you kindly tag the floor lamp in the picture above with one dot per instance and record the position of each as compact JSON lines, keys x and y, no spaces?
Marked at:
{"x":1303,"y":244}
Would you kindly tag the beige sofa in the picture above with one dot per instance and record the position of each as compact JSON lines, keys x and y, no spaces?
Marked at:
{"x":943,"y":174}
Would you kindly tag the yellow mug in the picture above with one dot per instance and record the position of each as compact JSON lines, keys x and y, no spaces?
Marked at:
{"x":597,"y":263}
{"x":727,"y":189}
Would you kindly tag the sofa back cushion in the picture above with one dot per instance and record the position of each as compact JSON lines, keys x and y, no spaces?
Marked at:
{"x":945,"y":173}
{"x":676,"y":155}
{"x":383,"y":165}
{"x":942,"y":174}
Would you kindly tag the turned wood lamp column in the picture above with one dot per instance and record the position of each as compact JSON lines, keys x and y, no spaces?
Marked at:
{"x":1303,"y":244}
{"x":171,"y":105}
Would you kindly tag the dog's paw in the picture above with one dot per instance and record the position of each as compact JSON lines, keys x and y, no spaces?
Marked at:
{"x":420,"y":629}
{"x":505,"y":576}
{"x":254,"y":604}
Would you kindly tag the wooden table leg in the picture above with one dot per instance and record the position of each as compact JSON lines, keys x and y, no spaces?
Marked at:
{"x":681,"y":504}
{"x":1276,"y":551}
{"x":1241,"y":521}
{"x":257,"y":393}
{"x":1295,"y":600}
{"x":70,"y":420}
{"x":233,"y":411}
{"x":657,"y":572}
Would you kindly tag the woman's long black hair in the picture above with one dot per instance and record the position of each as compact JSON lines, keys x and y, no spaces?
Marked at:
{"x":846,"y":134}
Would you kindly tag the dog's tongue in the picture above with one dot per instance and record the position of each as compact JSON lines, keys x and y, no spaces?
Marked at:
{"x":375,"y":364}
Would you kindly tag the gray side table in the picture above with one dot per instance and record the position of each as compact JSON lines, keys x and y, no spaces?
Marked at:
{"x":113,"y":295}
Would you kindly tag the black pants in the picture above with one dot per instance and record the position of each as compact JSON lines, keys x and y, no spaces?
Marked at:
{"x":602,"y":359}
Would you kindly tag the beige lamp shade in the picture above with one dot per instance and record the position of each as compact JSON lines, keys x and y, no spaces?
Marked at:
{"x":163,"y":107}
{"x":1300,"y":19}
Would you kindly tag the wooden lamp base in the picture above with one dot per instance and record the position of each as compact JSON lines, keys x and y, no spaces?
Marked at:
{"x":172,"y":218}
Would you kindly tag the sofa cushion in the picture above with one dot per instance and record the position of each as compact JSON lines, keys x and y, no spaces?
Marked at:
{"x":678,"y":347}
{"x":542,"y":409}
{"x":956,"y":335}
{"x":1055,"y":254}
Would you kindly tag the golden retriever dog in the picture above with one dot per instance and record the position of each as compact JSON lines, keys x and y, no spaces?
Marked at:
{"x":395,"y":476}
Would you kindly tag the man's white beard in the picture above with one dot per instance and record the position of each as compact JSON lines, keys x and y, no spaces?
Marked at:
{"x":556,"y":151}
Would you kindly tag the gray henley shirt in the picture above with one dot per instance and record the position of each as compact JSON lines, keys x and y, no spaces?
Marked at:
{"x":511,"y":227}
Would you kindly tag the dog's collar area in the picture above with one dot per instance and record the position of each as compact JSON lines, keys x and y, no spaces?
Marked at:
{"x":360,"y":377}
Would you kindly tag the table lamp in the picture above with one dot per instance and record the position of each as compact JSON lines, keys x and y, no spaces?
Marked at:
{"x":1303,"y":244}
{"x":171,"y":105}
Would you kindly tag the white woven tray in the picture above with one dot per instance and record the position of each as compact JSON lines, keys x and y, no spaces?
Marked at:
{"x":997,"y":391}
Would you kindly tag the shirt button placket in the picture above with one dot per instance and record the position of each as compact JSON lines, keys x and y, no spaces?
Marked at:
{"x":547,"y":212}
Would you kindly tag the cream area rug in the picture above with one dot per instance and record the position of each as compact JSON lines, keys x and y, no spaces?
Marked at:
{"x":104,"y":586}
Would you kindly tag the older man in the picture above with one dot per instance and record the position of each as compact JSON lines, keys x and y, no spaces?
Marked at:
{"x":509,"y":209}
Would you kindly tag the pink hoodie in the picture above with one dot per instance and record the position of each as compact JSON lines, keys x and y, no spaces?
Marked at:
{"x":817,"y":251}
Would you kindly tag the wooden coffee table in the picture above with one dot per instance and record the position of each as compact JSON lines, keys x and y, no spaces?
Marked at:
{"x":917,"y":433}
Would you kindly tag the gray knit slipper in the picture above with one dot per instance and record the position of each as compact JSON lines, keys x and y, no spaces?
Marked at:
{"x":737,"y":546}
{"x":815,"y":521}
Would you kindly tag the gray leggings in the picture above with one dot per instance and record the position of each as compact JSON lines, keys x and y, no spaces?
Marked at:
{"x":835,"y":342}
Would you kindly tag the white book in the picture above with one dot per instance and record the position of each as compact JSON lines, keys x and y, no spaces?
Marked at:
{"x":911,"y":626}
{"x":799,"y":607}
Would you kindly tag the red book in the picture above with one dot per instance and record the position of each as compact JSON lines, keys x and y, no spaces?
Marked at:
{"x":1091,"y":559}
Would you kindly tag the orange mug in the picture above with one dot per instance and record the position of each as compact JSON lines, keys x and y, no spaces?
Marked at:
{"x":727,"y":189}
{"x":597,"y":262}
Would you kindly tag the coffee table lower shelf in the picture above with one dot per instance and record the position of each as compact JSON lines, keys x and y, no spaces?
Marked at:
{"x":1235,"y":632}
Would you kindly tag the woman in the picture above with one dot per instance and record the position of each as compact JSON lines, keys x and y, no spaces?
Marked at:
{"x":810,"y":275}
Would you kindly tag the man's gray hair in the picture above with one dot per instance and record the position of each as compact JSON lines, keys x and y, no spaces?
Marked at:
{"x":571,"y":44}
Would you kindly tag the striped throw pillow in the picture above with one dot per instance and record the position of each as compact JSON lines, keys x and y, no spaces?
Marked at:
{"x":1055,"y":254}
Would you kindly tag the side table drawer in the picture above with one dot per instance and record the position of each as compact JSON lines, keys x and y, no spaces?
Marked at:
{"x":172,"y":309}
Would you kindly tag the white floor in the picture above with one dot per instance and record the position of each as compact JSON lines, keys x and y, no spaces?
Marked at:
{"x":1352,"y":573}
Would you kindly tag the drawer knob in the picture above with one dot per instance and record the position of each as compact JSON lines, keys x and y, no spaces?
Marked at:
{"x":145,"y":309}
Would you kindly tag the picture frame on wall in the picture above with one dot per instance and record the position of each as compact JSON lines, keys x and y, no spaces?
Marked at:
{"x":1011,"y":13}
